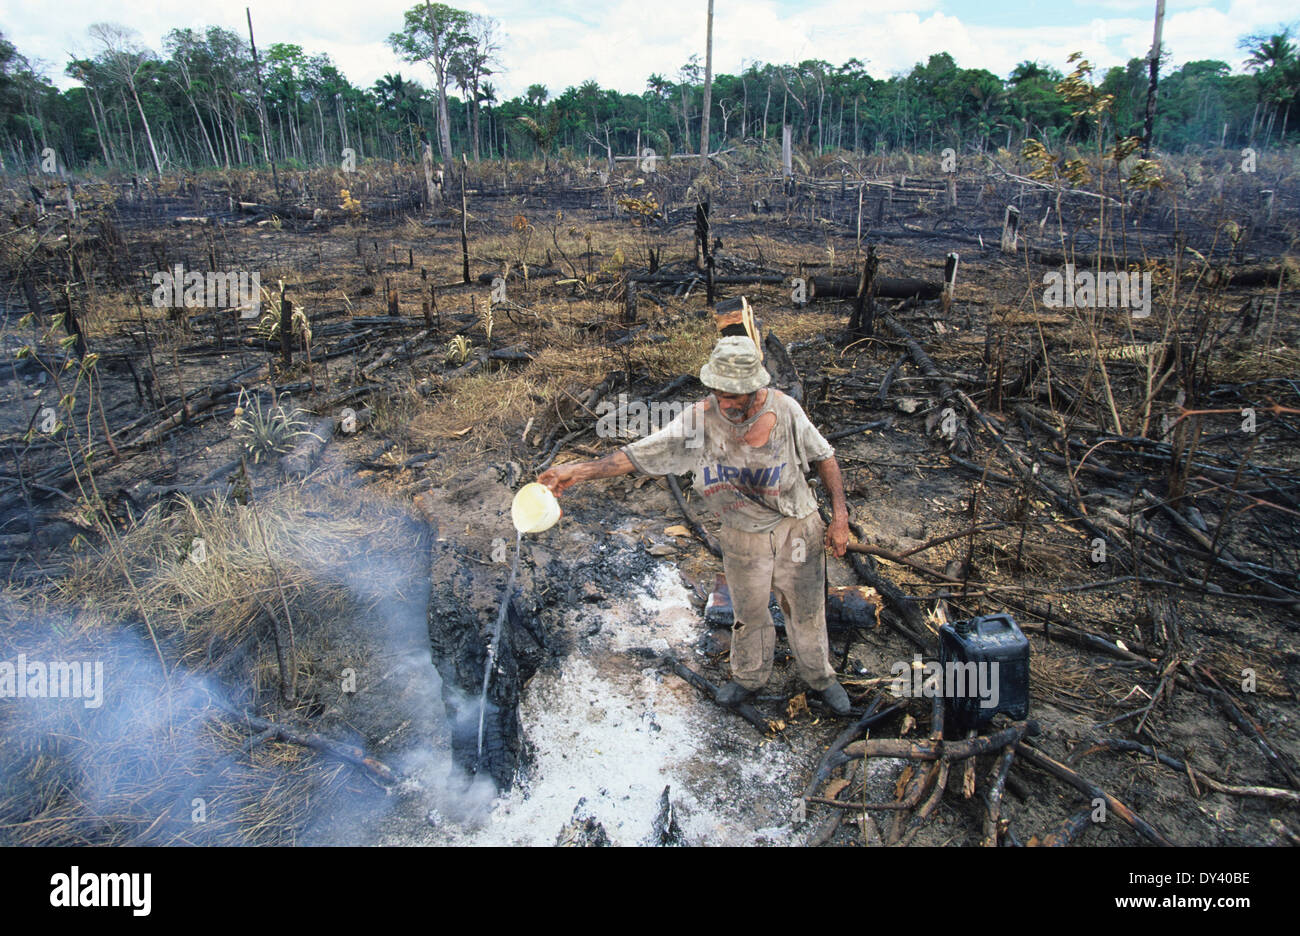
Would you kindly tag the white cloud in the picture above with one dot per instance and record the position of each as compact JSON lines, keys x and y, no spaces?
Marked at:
{"x":620,"y":43}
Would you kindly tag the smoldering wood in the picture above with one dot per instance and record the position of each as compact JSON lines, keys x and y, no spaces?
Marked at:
{"x":1115,"y":462}
{"x":464,"y":599}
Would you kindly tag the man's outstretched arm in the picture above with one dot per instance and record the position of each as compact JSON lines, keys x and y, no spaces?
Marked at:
{"x":561,"y":477}
{"x":837,"y":533}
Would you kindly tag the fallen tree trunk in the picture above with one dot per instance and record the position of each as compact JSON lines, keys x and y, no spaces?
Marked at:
{"x":727,"y":279}
{"x":885,"y":287}
{"x":515,"y":273}
{"x":299,"y":463}
{"x":197,"y":404}
{"x":297,"y":212}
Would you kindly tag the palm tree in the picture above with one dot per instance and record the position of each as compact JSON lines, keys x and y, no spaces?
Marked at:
{"x":1274,"y":61}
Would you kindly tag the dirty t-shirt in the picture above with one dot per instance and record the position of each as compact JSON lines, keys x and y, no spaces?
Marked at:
{"x":751,"y":488}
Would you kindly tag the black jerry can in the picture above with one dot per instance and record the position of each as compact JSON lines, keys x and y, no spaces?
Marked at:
{"x":973,"y":695}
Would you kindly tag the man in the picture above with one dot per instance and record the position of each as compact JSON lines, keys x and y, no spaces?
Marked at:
{"x":749,"y":446}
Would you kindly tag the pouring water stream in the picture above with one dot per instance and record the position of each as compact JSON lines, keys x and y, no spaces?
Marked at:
{"x":495,"y":642}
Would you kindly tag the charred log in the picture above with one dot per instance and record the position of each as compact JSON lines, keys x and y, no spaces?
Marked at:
{"x":462,"y":609}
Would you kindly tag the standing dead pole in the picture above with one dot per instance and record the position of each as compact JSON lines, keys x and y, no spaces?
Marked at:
{"x":261,"y":106}
{"x":1151,"y":88}
{"x":787,"y":157}
{"x":464,"y":219}
{"x":1010,"y":229}
{"x":703,"y":252}
{"x":858,"y":248}
{"x":708,"y":91}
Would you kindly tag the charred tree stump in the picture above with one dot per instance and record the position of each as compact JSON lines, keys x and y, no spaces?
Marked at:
{"x":464,"y":600}
{"x":949,"y":279}
{"x":862,"y":324}
{"x":286,"y":329}
{"x":71,"y":325}
{"x":629,"y":301}
{"x":703,"y":253}
{"x":34,"y":305}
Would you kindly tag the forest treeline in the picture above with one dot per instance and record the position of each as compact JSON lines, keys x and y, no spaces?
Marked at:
{"x":210,"y":98}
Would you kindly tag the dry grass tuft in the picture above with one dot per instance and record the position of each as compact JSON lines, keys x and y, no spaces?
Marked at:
{"x":130,"y":771}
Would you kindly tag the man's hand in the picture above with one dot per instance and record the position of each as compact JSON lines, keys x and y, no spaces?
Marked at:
{"x":560,"y":478}
{"x":837,"y":535}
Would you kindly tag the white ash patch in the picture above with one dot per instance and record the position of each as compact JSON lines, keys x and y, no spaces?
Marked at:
{"x":609,"y":728}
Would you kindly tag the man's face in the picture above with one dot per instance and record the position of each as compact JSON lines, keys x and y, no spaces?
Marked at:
{"x":733,"y":405}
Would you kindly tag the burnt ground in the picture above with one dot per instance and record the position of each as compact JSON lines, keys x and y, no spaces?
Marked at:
{"x":392,"y":545}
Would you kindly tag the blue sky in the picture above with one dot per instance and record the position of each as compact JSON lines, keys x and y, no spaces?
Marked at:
{"x":620,"y":42}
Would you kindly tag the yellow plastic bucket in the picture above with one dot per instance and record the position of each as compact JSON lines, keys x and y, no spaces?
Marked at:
{"x":534,"y":509}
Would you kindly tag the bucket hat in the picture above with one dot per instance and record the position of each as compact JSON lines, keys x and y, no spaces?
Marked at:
{"x":735,"y":367}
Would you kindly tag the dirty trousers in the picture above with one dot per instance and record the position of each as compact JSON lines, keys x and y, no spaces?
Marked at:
{"x":790,"y":561}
